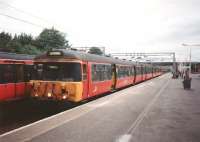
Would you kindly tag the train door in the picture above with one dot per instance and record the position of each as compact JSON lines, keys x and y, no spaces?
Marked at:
{"x":8,"y":82}
{"x":145,"y":70}
{"x":28,"y":73}
{"x":134,"y":74}
{"x":138,"y":74}
{"x":2,"y":86}
{"x":142,"y":72}
{"x":20,"y":83}
{"x":85,"y":79}
{"x":152,"y":71}
{"x":114,"y":76}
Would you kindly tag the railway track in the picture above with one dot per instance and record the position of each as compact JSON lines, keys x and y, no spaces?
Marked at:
{"x":20,"y":113}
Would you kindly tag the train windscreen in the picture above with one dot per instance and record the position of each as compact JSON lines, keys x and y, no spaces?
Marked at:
{"x":70,"y":72}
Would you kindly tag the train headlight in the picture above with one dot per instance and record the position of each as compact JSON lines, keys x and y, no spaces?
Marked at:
{"x":36,"y":95}
{"x":49,"y":95}
{"x":64,"y":97}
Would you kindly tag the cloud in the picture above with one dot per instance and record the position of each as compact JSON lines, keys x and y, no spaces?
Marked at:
{"x":119,"y":25}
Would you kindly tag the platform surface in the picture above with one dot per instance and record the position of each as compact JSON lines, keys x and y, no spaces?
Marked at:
{"x":154,"y":111}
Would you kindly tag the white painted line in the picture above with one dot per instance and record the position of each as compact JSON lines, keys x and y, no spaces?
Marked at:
{"x":99,"y":104}
{"x":112,"y":96}
{"x":124,"y":138}
{"x":49,"y":118}
{"x":144,"y":113}
{"x":45,"y":130}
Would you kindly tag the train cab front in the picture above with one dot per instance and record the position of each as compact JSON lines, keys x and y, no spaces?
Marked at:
{"x":57,"y":81}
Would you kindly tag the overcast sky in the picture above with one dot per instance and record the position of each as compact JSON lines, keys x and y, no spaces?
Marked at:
{"x":118,"y":25}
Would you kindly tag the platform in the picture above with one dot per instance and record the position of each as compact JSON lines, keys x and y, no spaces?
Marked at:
{"x":154,"y":111}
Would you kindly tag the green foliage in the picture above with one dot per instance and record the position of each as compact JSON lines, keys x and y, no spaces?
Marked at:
{"x":51,"y":38}
{"x":5,"y":38}
{"x":95,"y":50}
{"x":25,"y":39}
{"x":26,"y":44}
{"x":14,"y":46}
{"x":30,"y":49}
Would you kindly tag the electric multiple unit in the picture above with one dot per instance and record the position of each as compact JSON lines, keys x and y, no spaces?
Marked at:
{"x":76,"y":76}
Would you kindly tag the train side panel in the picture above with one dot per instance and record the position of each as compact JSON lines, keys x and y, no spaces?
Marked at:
{"x":138,"y":78}
{"x":125,"y":75}
{"x":20,"y":89}
{"x":100,"y":78}
{"x":2,"y":90}
{"x":122,"y":82}
{"x":97,"y":88}
{"x":9,"y":91}
{"x":149,"y":76}
{"x":12,"y":83}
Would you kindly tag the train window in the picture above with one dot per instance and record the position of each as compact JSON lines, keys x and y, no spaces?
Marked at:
{"x":28,"y":72}
{"x":119,"y":72}
{"x":84,"y":72}
{"x":38,"y":71}
{"x":109,"y":72}
{"x":19,"y":73}
{"x":101,"y":72}
{"x":136,"y":70}
{"x":58,"y":72}
{"x":8,"y":74}
{"x":1,"y":73}
{"x":132,"y":71}
{"x":139,"y":70}
{"x":124,"y":71}
{"x":146,"y":69}
{"x":94,"y":73}
{"x":150,"y":70}
{"x":128,"y":71}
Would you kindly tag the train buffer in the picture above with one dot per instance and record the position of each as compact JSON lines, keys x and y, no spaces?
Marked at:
{"x":156,"y":110}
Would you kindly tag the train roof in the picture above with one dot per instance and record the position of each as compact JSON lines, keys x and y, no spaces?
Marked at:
{"x":70,"y":54}
{"x":14,"y":56}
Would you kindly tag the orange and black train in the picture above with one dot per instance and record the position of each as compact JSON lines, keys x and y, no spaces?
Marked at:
{"x":76,"y":76}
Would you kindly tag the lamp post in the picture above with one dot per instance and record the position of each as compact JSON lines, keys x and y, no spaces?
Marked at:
{"x":190,"y":56}
{"x":190,"y":64}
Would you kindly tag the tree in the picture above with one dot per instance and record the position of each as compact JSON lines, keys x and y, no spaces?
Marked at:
{"x":31,"y":49}
{"x":22,"y":44}
{"x":95,"y":50}
{"x":26,"y":44}
{"x":14,"y":46}
{"x":51,"y":38}
{"x":25,"y":39}
{"x":5,"y":38}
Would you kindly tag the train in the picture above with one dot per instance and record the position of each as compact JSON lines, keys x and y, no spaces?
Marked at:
{"x":67,"y":75}
{"x":15,"y":73}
